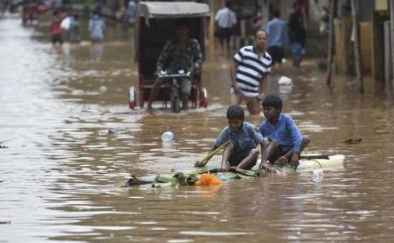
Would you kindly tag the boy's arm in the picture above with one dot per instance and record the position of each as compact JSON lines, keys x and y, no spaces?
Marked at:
{"x":259,"y":139}
{"x":297,"y":141}
{"x":295,"y":135}
{"x":202,"y":163}
{"x":263,"y":164}
{"x":219,"y":141}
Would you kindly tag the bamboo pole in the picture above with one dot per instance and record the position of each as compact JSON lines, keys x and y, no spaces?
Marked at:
{"x":330,"y":42}
{"x":357,"y":53}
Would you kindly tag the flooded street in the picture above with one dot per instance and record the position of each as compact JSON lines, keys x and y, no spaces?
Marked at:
{"x":61,"y":176}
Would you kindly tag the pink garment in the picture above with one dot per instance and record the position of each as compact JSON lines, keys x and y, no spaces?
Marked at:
{"x":55,"y":28}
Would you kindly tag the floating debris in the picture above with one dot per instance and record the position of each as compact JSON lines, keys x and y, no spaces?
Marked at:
{"x":353,"y":141}
{"x":283,"y":80}
{"x":113,"y":131}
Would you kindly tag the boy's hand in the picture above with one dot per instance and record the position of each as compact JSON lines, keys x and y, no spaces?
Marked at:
{"x":198,"y":164}
{"x":294,"y":161}
{"x":266,"y":167}
{"x":226,"y":167}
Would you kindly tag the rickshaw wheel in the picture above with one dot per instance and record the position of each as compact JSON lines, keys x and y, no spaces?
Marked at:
{"x":204,"y":98}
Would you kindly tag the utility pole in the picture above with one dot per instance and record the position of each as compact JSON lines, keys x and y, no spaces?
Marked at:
{"x":330,"y":42}
{"x":357,"y":54}
{"x":391,"y":84}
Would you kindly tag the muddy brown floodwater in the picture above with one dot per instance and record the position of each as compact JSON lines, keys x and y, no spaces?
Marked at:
{"x":61,"y":175}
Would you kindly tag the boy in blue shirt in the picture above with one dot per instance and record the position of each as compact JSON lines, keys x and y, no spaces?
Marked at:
{"x":241,"y":152}
{"x":285,"y":142}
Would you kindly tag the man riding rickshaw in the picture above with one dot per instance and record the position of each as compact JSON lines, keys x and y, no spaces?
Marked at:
{"x":169,"y":51}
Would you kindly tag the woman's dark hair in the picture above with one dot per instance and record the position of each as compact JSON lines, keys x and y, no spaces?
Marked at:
{"x":235,"y":111}
{"x":273,"y":101}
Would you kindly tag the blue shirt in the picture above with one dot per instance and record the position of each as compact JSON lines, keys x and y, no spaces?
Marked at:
{"x":285,"y":133}
{"x":250,"y":70}
{"x":247,"y":138}
{"x":277,"y":33}
{"x":96,"y":27}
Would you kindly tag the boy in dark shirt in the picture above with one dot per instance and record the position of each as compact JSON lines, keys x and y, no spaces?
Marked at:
{"x":241,"y":152}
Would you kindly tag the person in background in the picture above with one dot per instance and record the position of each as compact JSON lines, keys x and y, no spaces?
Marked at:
{"x":4,"y":5}
{"x":58,"y":4}
{"x":257,"y":22}
{"x":96,"y":27}
{"x":179,"y":53}
{"x":225,"y":20}
{"x":130,"y":12}
{"x":74,"y":31}
{"x":297,"y":35}
{"x":55,"y":28}
{"x":325,"y":21}
{"x":252,"y":64}
{"x":277,"y":38}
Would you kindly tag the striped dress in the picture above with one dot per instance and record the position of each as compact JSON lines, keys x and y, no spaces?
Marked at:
{"x":250,"y":70}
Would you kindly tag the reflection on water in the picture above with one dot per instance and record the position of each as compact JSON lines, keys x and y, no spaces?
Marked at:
{"x":61,"y":177}
{"x":96,"y":51}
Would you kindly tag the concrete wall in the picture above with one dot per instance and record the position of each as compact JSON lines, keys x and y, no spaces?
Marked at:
{"x":366,"y":46}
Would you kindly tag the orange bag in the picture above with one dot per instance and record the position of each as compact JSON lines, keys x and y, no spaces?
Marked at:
{"x":207,"y":180}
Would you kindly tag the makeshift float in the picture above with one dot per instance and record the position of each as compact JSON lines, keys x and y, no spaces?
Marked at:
{"x":205,"y":176}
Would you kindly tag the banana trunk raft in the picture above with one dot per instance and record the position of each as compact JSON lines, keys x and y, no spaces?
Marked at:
{"x":213,"y":176}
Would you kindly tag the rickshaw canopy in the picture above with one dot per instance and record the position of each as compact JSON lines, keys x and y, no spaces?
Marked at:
{"x":162,"y":10}
{"x":155,"y":24}
{"x":147,"y":11}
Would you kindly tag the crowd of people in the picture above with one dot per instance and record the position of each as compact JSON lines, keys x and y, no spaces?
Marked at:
{"x":280,"y":33}
{"x":279,"y":137}
{"x":70,"y":24}
{"x":251,"y":63}
{"x":65,"y":23}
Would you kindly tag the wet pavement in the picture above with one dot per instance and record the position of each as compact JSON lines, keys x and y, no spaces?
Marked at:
{"x":61,"y":176}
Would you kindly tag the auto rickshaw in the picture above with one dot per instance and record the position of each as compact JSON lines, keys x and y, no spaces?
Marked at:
{"x":155,"y":24}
